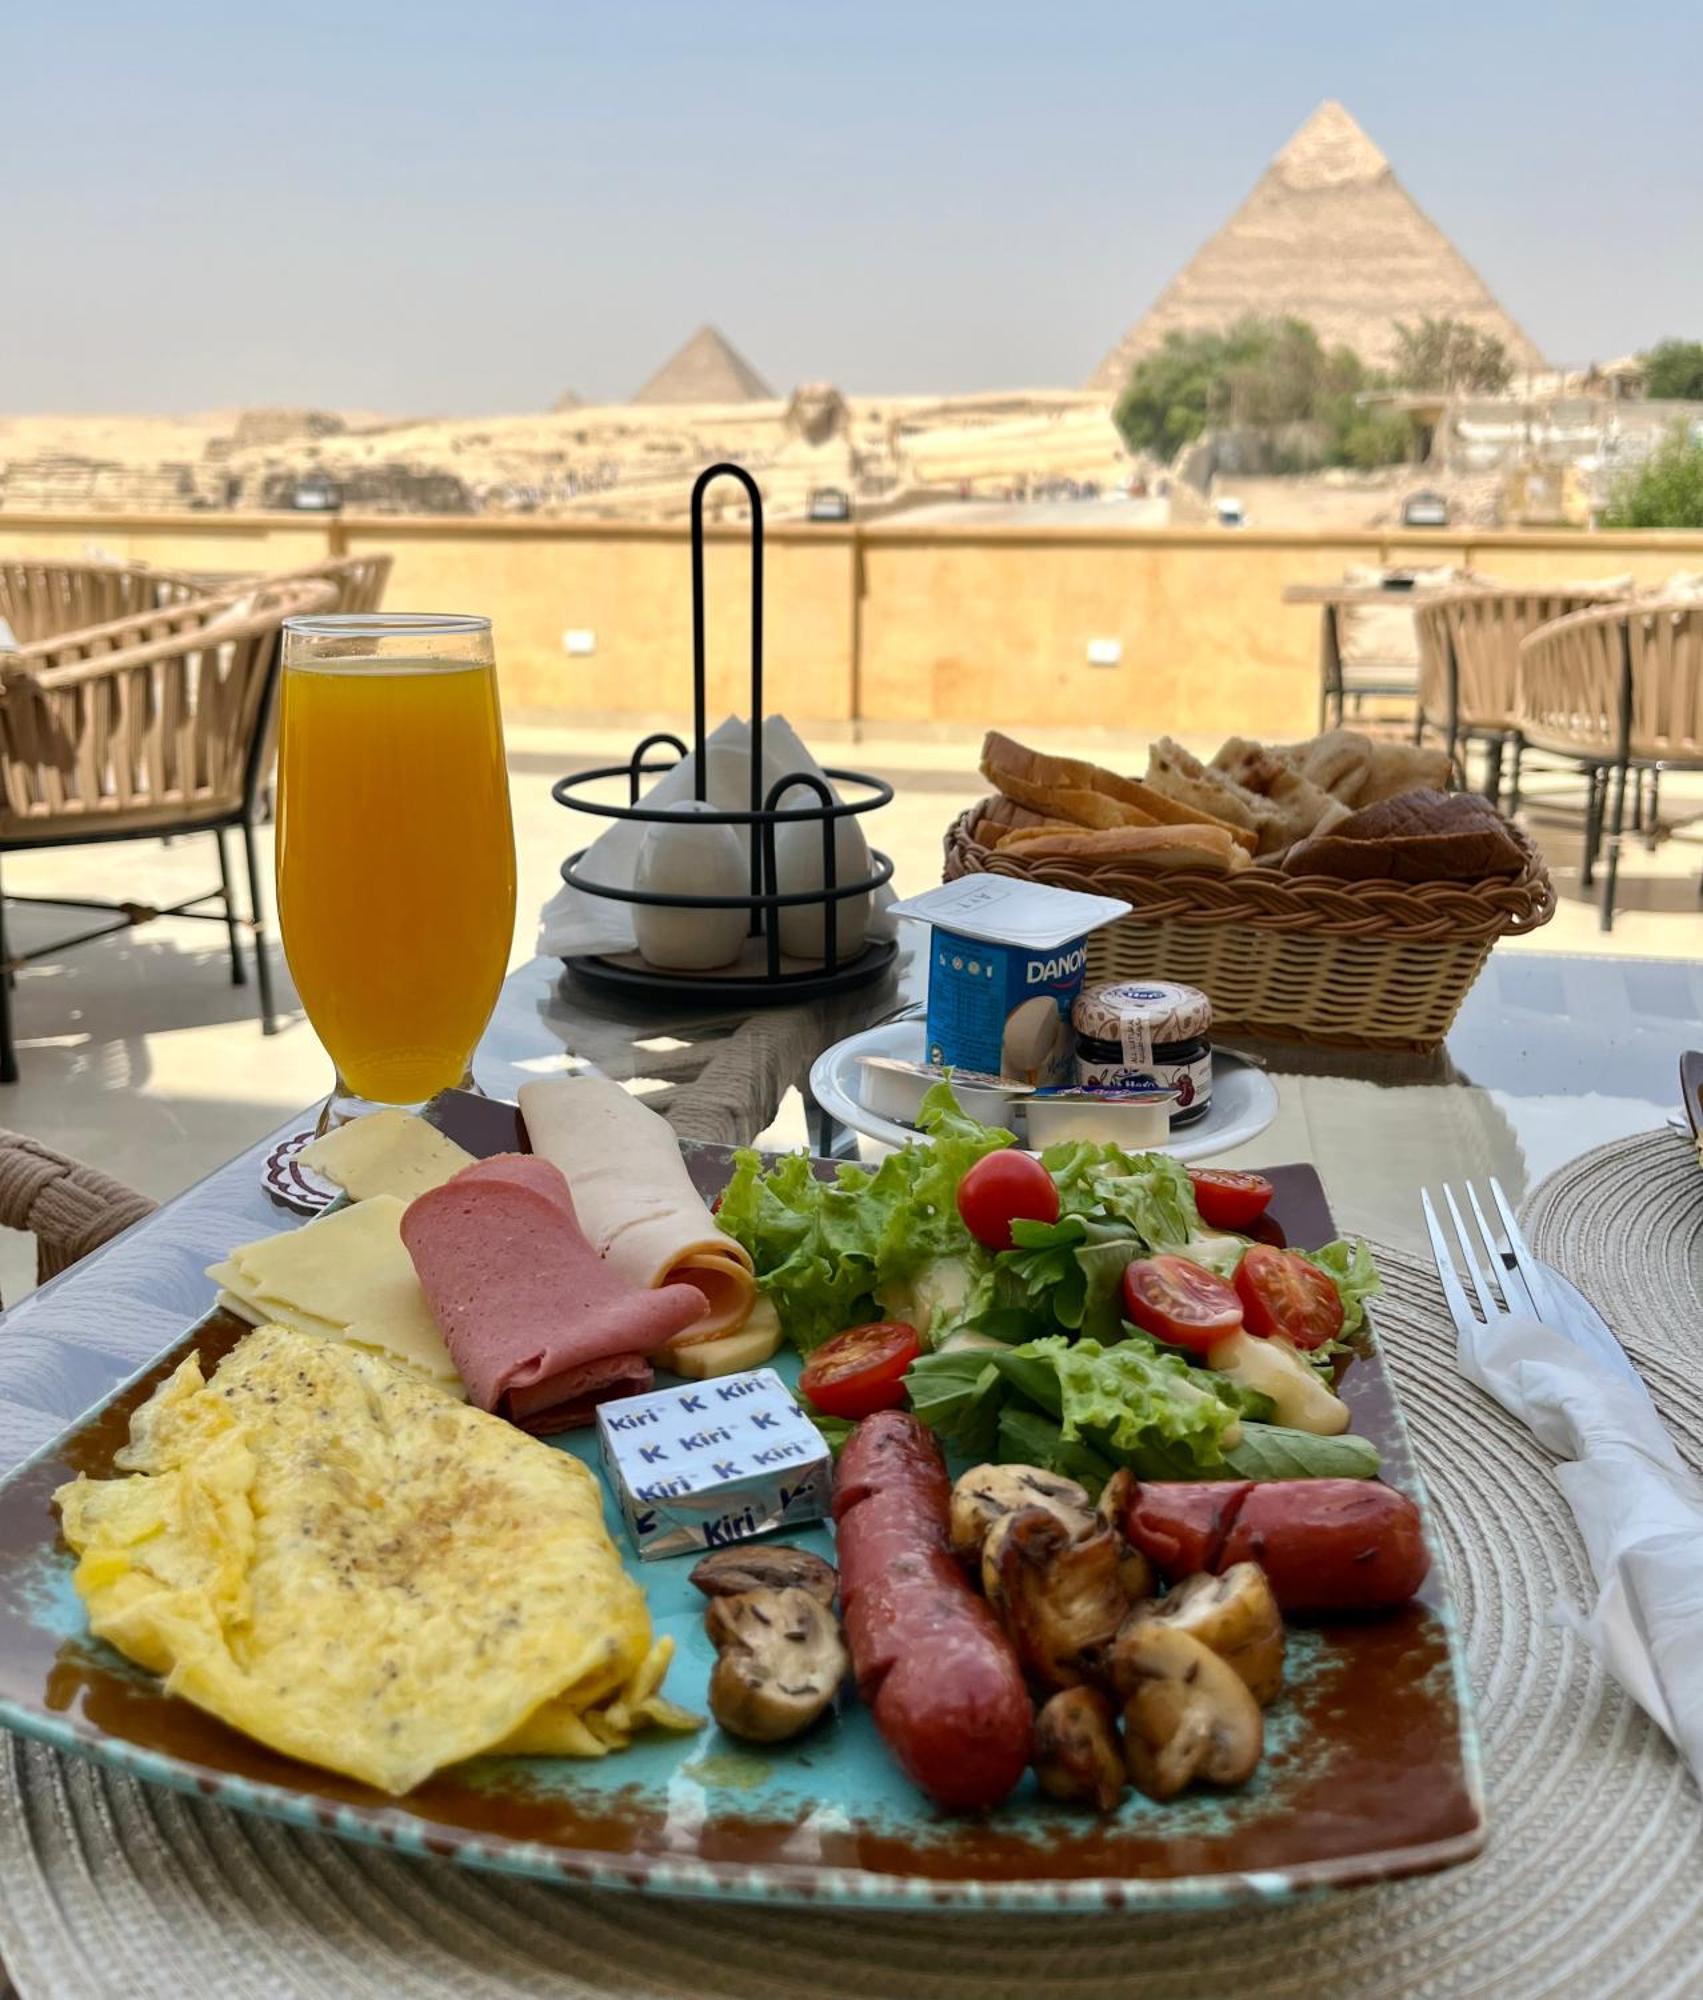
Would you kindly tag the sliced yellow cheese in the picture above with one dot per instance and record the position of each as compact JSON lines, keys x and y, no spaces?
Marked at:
{"x":1300,"y":1400}
{"x":346,"y":1273}
{"x":750,"y":1347}
{"x":386,"y":1152}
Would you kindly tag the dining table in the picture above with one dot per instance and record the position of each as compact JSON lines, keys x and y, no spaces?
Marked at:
{"x":1560,"y":1078}
{"x":1397,"y":680}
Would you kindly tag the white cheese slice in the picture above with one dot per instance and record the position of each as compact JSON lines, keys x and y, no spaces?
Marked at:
{"x":386,"y":1152}
{"x":347,"y":1274}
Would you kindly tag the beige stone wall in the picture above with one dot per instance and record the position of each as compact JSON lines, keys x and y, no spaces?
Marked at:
{"x":893,"y":623}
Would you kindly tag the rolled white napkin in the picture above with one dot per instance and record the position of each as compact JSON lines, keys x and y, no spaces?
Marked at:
{"x":1638,"y":1507}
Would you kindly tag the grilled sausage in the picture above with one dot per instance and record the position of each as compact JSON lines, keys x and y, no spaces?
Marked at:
{"x":932,"y":1663}
{"x":1326,"y":1545}
{"x":1181,"y":1527}
{"x":1331,"y":1544}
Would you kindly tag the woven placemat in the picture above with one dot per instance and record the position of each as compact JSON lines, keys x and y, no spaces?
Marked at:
{"x":1625,"y":1222}
{"x":1592,"y":1884}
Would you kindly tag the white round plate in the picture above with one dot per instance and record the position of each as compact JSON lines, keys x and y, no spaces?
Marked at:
{"x":1244,"y":1099}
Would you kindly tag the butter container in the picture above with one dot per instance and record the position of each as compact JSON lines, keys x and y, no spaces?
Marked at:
{"x":712,"y":1463}
{"x":893,"y":1088}
{"x":1147,"y":1031}
{"x":1136,"y":1120}
{"x":1006,"y":959}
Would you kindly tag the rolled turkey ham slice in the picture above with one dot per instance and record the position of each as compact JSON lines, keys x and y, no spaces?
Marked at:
{"x":634,"y":1197}
{"x":541,"y":1328}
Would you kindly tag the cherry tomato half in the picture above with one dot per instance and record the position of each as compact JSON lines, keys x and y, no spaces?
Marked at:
{"x":1181,"y":1302}
{"x":1004,"y":1188}
{"x":857,"y":1373}
{"x":1282,"y":1293}
{"x":1228,"y":1200}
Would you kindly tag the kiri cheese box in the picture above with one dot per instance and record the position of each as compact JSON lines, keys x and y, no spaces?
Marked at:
{"x":1005,"y":965}
{"x":712,"y":1463}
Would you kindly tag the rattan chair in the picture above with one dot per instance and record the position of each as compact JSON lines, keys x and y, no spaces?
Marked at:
{"x":151,"y":727}
{"x":1617,"y":691}
{"x":358,"y":580}
{"x":69,"y":1209}
{"x":1469,"y":660}
{"x":41,"y":597}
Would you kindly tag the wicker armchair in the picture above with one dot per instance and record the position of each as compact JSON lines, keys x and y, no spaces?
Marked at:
{"x":1617,"y":691}
{"x":358,"y":580}
{"x":153,"y":726}
{"x":40,"y":597}
{"x":70,"y":1209}
{"x":1469,"y":660}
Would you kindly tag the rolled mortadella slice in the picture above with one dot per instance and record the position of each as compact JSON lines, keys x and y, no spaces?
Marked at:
{"x":634,"y":1197}
{"x":541,"y":1327}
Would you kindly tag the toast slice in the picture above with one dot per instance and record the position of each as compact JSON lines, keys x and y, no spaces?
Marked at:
{"x":1414,"y":837}
{"x":1073,"y":788}
{"x":1154,"y":847}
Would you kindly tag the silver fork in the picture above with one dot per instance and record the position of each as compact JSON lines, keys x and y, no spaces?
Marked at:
{"x":1529,"y":1287}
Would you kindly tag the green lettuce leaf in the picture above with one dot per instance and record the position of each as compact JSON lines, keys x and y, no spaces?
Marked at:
{"x":1270,"y":1451}
{"x":836,"y":1431}
{"x":1069,"y":1273}
{"x":812,"y":1242}
{"x":1349,"y":1266}
{"x":823,"y":1250}
{"x":1136,"y":1405}
{"x":1028,"y":1438}
{"x":959,"y":1396}
{"x":1151,"y":1192}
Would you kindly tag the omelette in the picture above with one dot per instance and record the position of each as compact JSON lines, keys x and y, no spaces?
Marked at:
{"x":339,"y":1559}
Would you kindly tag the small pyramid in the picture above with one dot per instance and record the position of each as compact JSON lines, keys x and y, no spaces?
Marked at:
{"x":706,"y":370}
{"x":568,"y":400}
{"x":1331,"y":236}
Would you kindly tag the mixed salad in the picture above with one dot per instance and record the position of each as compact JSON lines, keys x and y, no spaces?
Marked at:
{"x":1082,"y":1311}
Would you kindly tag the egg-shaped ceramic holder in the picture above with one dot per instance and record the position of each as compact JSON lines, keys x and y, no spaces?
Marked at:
{"x":762,"y":975}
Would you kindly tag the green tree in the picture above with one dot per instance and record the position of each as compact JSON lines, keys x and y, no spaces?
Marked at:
{"x":1673,"y":371}
{"x":1171,"y":394}
{"x":1264,"y":376}
{"x":1666,"y":491}
{"x":1448,"y":354}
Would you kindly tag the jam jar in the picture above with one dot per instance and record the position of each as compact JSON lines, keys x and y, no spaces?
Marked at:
{"x":1141,"y":1030}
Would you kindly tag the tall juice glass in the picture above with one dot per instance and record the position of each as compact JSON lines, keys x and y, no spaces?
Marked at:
{"x":395,"y":847}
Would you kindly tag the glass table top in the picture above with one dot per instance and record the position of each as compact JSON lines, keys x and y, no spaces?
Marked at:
{"x":1550,"y":1056}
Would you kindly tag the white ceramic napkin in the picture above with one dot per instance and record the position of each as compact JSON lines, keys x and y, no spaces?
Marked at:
{"x":1638,"y":1507}
{"x":573,"y":924}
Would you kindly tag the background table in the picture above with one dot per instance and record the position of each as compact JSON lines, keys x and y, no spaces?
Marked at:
{"x":1593,"y":1883}
{"x":1333,"y":599}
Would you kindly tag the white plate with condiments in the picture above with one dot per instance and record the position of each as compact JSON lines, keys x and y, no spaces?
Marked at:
{"x":1244,"y":1099}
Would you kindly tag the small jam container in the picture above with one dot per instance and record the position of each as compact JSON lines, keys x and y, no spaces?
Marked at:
{"x":1146,"y":1031}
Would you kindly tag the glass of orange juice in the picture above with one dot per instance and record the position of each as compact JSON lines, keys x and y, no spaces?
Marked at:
{"x":395,"y":847}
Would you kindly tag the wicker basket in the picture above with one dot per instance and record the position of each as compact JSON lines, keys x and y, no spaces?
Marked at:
{"x":1307,"y":958}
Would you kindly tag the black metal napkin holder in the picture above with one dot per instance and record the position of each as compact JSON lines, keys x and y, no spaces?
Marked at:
{"x":740,"y":986}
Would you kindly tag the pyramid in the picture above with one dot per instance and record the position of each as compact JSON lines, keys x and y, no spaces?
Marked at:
{"x":706,"y":370}
{"x":1331,"y":236}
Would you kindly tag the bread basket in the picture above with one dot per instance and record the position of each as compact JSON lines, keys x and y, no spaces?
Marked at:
{"x":1364,"y":965}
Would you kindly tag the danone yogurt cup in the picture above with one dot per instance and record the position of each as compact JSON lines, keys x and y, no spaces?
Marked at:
{"x":1005,"y":964}
{"x":1137,"y":1031}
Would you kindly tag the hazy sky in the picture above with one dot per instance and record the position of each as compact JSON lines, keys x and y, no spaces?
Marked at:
{"x":469,"y":207}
